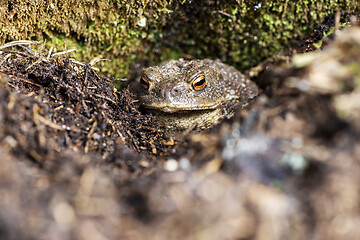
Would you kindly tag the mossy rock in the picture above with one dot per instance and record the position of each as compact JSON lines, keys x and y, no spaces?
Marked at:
{"x":238,"y":32}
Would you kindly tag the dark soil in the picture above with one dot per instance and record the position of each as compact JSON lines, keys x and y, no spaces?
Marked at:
{"x":79,"y":161}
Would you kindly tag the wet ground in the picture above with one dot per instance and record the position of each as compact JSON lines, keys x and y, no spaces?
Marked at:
{"x":79,"y":161}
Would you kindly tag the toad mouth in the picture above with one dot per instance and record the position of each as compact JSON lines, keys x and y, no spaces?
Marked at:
{"x":179,"y":108}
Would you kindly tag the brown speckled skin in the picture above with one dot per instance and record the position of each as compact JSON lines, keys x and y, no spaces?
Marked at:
{"x":179,"y":107}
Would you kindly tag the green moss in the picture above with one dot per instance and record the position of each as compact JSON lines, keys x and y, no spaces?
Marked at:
{"x":238,"y":32}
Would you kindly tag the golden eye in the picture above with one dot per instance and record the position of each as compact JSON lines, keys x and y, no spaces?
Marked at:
{"x":144,"y":82}
{"x":199,"y":83}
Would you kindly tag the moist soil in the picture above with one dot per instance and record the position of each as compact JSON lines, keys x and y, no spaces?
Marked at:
{"x":80,"y":161}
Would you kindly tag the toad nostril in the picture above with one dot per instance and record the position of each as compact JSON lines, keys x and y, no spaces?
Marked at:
{"x":175,"y":91}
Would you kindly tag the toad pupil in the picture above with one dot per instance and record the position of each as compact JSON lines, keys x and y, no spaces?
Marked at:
{"x":199,"y":83}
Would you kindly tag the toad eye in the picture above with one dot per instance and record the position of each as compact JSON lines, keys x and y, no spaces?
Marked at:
{"x":199,"y":83}
{"x":144,"y":81}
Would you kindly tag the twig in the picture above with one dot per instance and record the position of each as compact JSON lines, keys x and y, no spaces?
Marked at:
{"x":63,"y":52}
{"x":29,"y":51}
{"x":100,"y":96}
{"x":49,"y":54}
{"x":96,"y":60}
{"x":16,"y":52}
{"x":226,"y":14}
{"x":38,"y":118}
{"x":34,"y":63}
{"x":27,"y":81}
{"x":83,"y":64}
{"x":229,"y":16}
{"x":18,"y":43}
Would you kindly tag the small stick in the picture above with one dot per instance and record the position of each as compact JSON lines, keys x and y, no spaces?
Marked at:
{"x":96,"y":60}
{"x":83,"y":64}
{"x":63,"y":52}
{"x":18,"y":43}
{"x":49,"y":54}
{"x":103,"y":97}
{"x":27,"y":81}
{"x":29,"y":51}
{"x":226,"y":14}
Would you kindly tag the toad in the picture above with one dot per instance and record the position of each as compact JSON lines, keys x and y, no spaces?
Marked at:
{"x":194,"y":94}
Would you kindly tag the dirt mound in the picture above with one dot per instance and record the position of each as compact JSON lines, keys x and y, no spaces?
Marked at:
{"x":79,"y":161}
